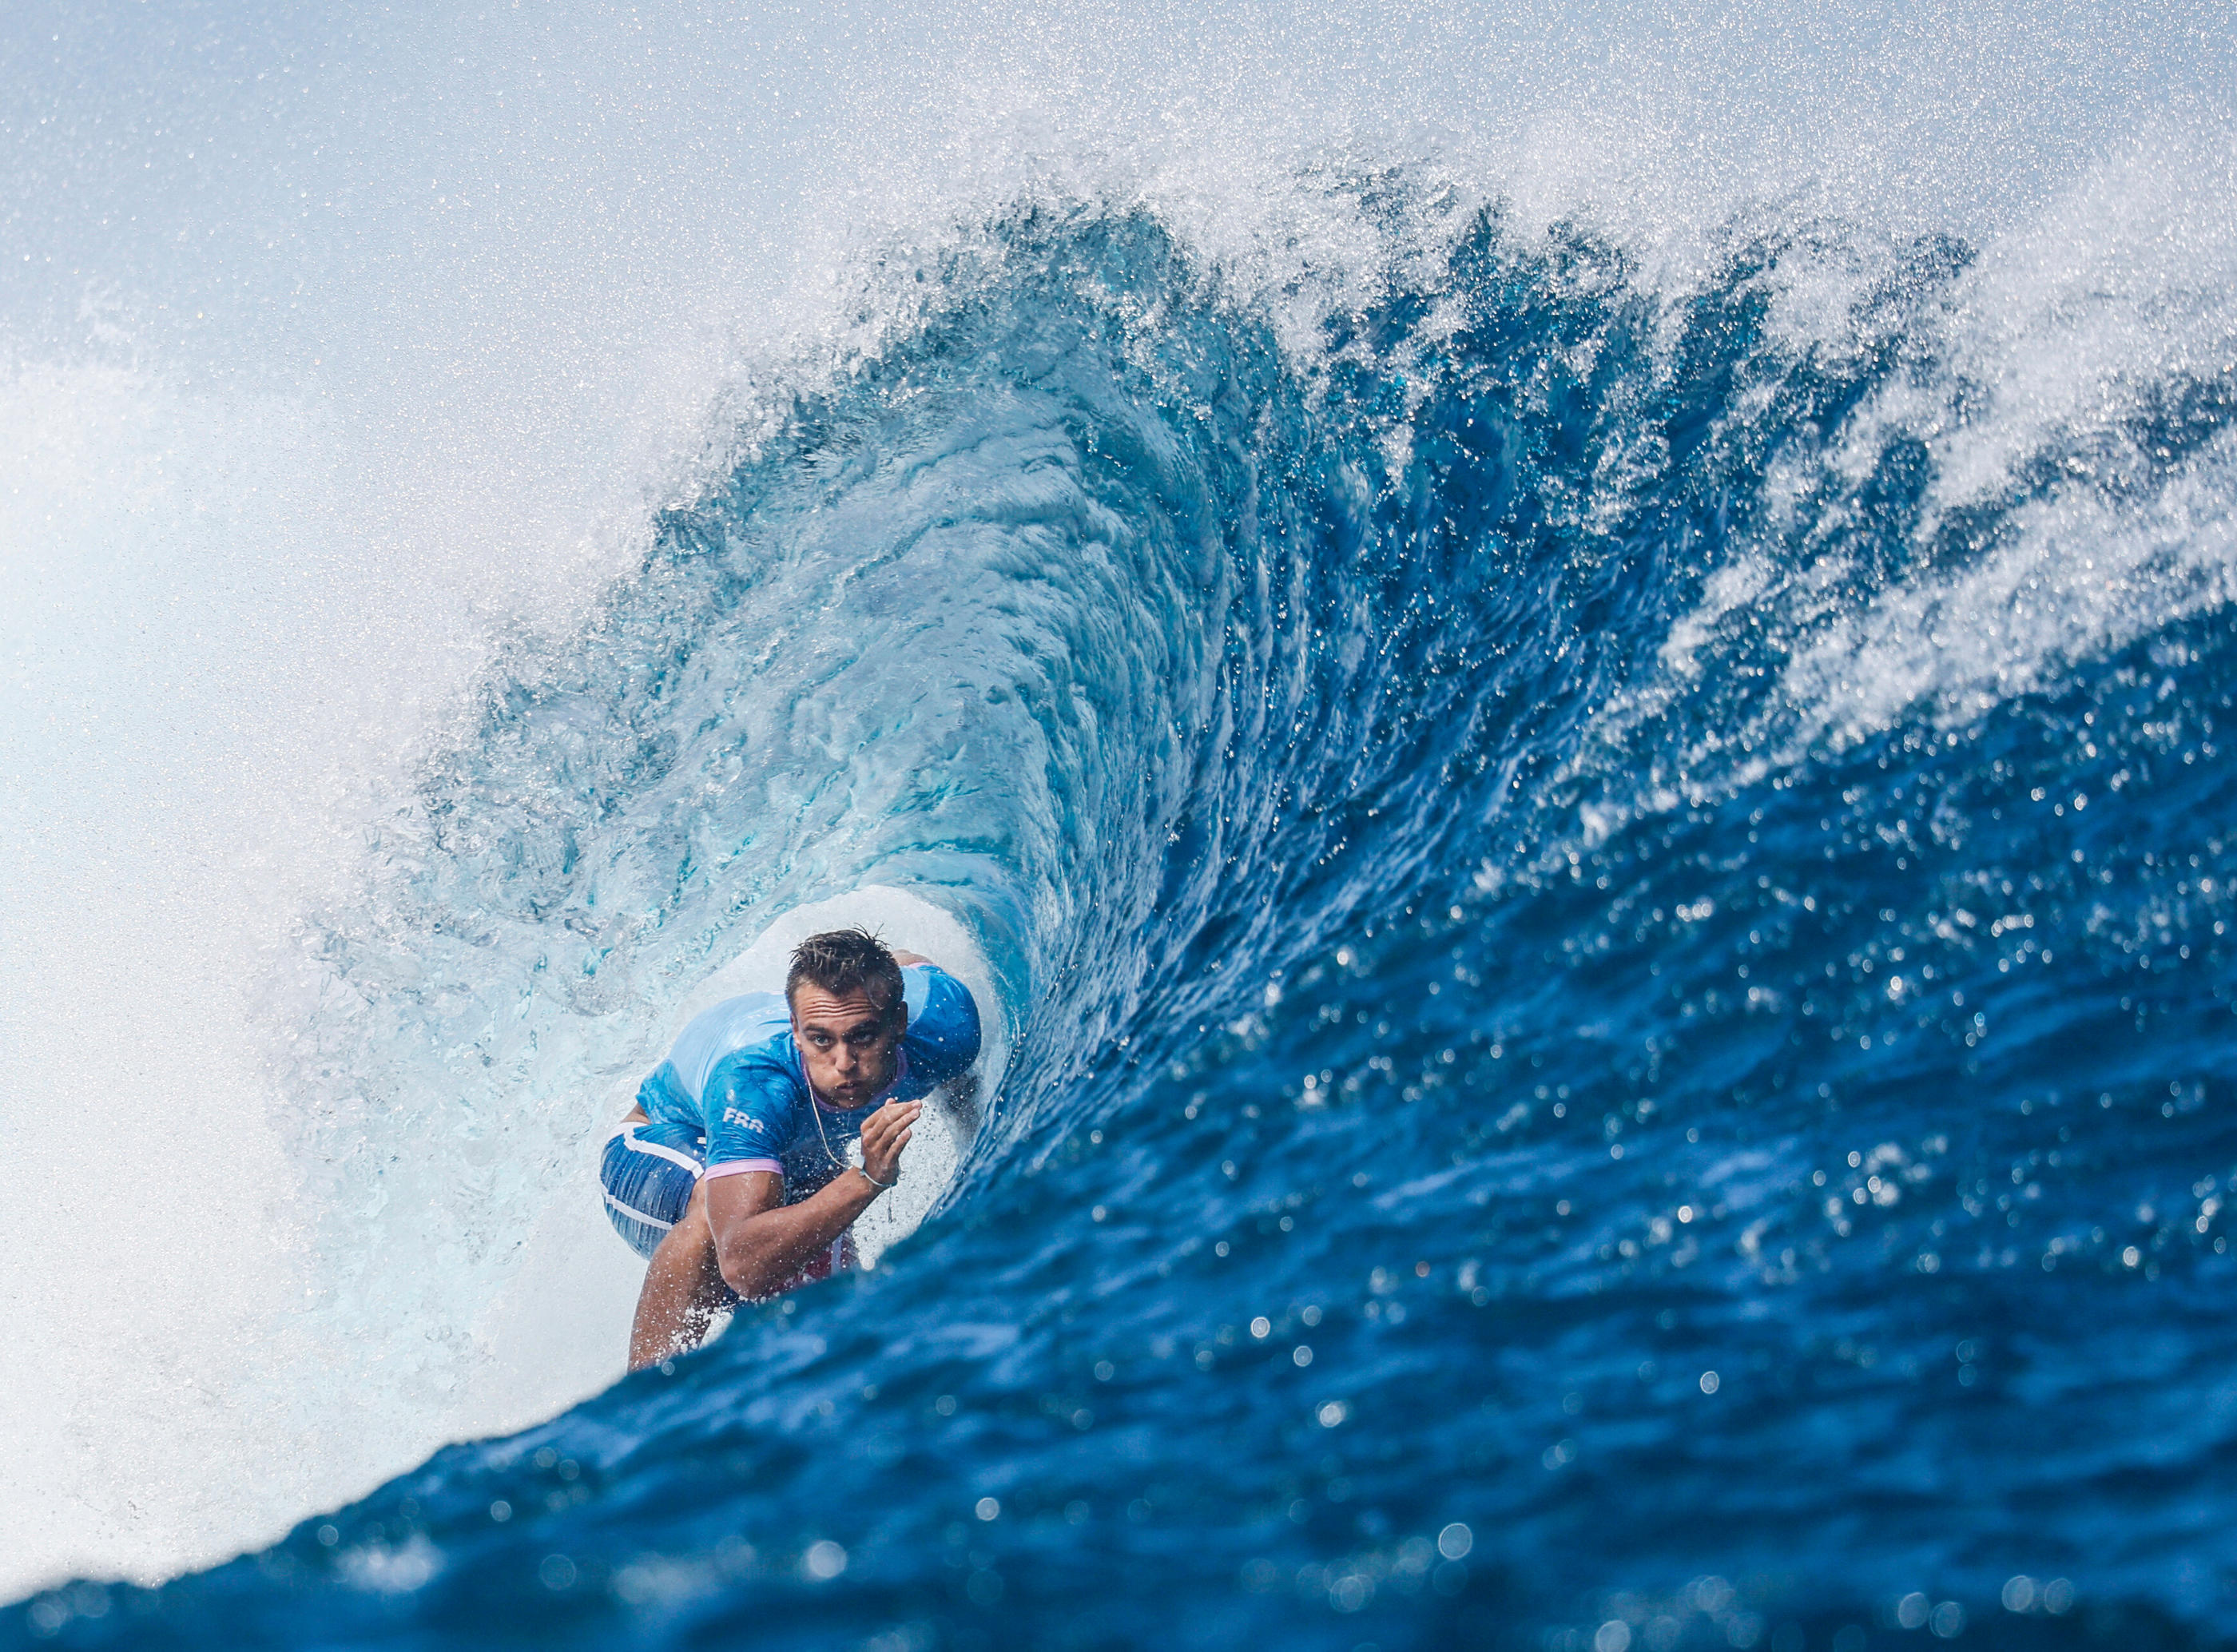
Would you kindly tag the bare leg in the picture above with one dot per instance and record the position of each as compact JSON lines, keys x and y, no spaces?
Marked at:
{"x":683,"y":1290}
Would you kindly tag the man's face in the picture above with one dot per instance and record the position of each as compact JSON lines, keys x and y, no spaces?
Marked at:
{"x":846,"y":1043}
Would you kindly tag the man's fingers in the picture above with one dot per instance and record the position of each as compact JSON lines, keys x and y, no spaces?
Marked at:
{"x":885,"y":1133}
{"x":891,"y":1117}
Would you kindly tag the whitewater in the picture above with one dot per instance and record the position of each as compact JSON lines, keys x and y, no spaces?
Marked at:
{"x":1567,"y":671}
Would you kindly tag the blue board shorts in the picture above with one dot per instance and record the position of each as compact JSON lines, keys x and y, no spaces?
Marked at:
{"x":648,"y":1171}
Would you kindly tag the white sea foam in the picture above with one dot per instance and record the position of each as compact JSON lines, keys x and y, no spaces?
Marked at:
{"x":2033,"y":375}
{"x":2121,"y":295}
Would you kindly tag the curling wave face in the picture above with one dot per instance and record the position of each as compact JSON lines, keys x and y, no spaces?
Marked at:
{"x":1612,"y":899}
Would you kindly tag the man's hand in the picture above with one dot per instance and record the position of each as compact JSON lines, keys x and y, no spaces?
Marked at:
{"x":885,"y":1133}
{"x":759,"y":1243}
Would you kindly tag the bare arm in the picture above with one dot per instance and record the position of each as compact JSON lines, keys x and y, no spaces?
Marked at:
{"x":762,"y":1244}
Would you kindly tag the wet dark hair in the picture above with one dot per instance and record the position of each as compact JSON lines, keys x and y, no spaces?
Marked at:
{"x":842,"y":961}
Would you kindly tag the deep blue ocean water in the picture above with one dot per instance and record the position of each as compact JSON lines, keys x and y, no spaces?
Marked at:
{"x":1535,"y":1122}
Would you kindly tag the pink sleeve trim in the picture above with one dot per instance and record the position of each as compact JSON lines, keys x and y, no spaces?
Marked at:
{"x":739,"y":1167}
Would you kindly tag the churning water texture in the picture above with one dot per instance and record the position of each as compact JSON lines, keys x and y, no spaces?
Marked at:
{"x":1612,"y":889}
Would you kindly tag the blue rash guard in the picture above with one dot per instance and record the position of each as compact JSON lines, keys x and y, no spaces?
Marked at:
{"x":733,"y":1096}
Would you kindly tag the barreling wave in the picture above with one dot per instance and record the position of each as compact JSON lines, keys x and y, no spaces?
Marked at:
{"x":1611,"y":897}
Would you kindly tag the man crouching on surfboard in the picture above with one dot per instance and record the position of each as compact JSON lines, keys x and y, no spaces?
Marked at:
{"x":756,"y":1102}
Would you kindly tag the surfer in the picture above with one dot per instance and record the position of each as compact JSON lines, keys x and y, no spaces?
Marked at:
{"x":730,"y":1174}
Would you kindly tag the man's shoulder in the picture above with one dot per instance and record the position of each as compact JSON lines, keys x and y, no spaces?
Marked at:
{"x":943,"y":1030}
{"x":769,"y":1070}
{"x":925,"y":982}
